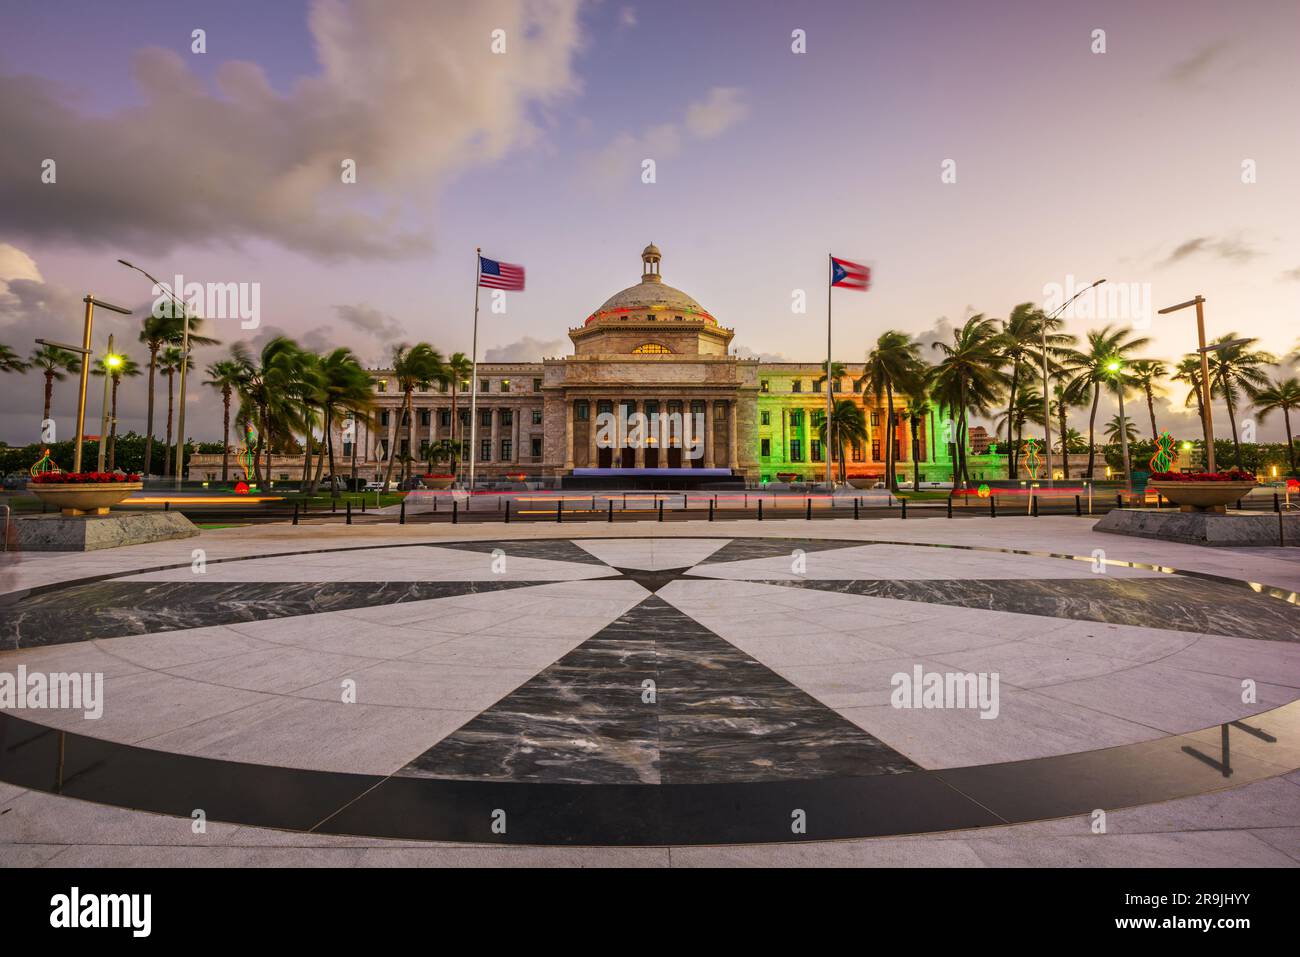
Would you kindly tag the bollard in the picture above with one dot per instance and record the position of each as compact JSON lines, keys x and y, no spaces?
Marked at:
{"x":661,"y":511}
{"x":167,"y":506}
{"x":1119,"y":500}
{"x":993,"y":507}
{"x":711,"y":504}
{"x":808,"y":509}
{"x":1277,"y":503}
{"x":760,"y":509}
{"x":902,"y":502}
{"x":455,"y":512}
{"x":559,"y":511}
{"x":1078,"y":505}
{"x":295,"y":513}
{"x":855,"y":510}
{"x":611,"y":511}
{"x":950,"y":504}
{"x":363,"y":504}
{"x":401,"y":516}
{"x":349,"y":504}
{"x":593,"y":503}
{"x":334,"y":506}
{"x":507,"y":510}
{"x":1033,"y":502}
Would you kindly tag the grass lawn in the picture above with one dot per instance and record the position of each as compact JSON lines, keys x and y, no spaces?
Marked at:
{"x":323,"y":499}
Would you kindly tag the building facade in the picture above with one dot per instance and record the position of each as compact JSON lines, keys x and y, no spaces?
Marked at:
{"x":649,"y":348}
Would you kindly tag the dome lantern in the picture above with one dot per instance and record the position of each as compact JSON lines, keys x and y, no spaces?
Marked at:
{"x":650,"y":264}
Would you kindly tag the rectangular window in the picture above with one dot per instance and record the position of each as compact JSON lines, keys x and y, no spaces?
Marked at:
{"x":507,"y":417}
{"x":796,"y":451}
{"x":875,"y":418}
{"x":537,"y":446}
{"x":796,"y":417}
{"x":464,"y":417}
{"x":383,"y":449}
{"x":347,"y":449}
{"x":875,"y":450}
{"x":485,"y":417}
{"x":765,"y":418}
{"x":507,"y":449}
{"x":857,"y":451}
{"x":762,"y":386}
{"x":505,"y":385}
{"x":765,"y":448}
{"x":582,"y":410}
{"x":425,"y":416}
{"x":537,"y":385}
{"x":796,"y":385}
{"x":816,"y":447}
{"x":485,"y":450}
{"x":381,"y":385}
{"x":424,"y":449}
{"x":484,"y":385}
{"x":537,"y":416}
{"x":383,"y":417}
{"x":444,"y":418}
{"x":464,"y":386}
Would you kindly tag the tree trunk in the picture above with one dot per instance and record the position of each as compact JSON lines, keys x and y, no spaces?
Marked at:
{"x":891,"y":430}
{"x":320,"y":456}
{"x":225,"y":434}
{"x":392,"y":452}
{"x":112,"y":426}
{"x":1011,"y":405}
{"x":1290,"y":442}
{"x":148,"y":429}
{"x":1065,"y":447}
{"x":167,"y":454}
{"x":1151,"y":408}
{"x":1232,"y":419}
{"x":1092,"y":428}
{"x":49,"y":393}
{"x":329,"y":444}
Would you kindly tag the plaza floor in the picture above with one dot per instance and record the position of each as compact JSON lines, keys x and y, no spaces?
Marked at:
{"x":656,"y":694}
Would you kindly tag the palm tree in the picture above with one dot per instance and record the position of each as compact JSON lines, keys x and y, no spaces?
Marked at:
{"x":1021,"y":344}
{"x":1088,"y":369}
{"x":894,"y":365}
{"x":414,"y":367}
{"x":9,"y":361}
{"x":1028,"y":407}
{"x":1145,"y":374}
{"x":124,"y":366}
{"x":1112,"y":428}
{"x":1285,"y":395}
{"x":225,"y":376}
{"x":1065,"y":396}
{"x":967,"y":379}
{"x":345,"y":392}
{"x":1188,"y":371}
{"x":266,"y":395}
{"x":165,"y":326}
{"x":55,"y":364}
{"x":455,"y":370}
{"x":917,"y":397}
{"x":1070,"y":440}
{"x":838,"y":370}
{"x":847,"y":423}
{"x":1235,"y":369}
{"x":169,"y":363}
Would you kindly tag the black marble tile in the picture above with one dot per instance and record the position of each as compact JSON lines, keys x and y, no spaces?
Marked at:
{"x":744,"y":549}
{"x":718,"y":716}
{"x":1173,"y":603}
{"x":555,"y":550}
{"x":112,"y":609}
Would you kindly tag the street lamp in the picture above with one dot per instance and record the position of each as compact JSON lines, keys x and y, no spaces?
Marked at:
{"x":185,"y":361}
{"x":112,"y":362}
{"x":1116,"y":368}
{"x":1047,"y":395}
{"x":1207,"y":417}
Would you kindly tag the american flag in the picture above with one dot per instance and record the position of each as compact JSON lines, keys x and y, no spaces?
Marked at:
{"x":498,"y":275}
{"x":849,"y":275}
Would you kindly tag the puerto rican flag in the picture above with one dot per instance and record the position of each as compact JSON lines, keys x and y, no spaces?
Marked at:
{"x":849,"y":275}
{"x":499,"y":275}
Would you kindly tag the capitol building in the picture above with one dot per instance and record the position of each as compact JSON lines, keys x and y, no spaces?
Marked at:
{"x":649,"y":349}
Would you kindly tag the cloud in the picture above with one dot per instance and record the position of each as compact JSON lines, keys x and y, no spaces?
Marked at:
{"x":527,"y":349}
{"x":1292,"y":274}
{"x":627,"y":18}
{"x":1194,"y":68}
{"x":744,"y":352}
{"x":407,"y":89}
{"x":372,"y":322}
{"x":1233,"y":250}
{"x":720,"y":110}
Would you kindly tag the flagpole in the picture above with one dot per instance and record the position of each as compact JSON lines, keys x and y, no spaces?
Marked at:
{"x":473,"y":383}
{"x":830,"y":278}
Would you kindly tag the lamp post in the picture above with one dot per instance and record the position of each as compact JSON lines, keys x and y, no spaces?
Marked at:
{"x":1116,"y":368}
{"x":112,"y":362}
{"x":1207,"y":417}
{"x":185,"y":361}
{"x":1047,"y":394}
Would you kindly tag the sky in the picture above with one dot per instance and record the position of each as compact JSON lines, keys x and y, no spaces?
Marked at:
{"x":973,"y":154}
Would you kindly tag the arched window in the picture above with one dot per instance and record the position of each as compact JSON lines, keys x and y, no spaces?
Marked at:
{"x":651,"y":349}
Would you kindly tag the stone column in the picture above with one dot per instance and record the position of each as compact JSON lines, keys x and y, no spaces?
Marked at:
{"x":733,"y":458}
{"x":568,"y":434}
{"x":708,"y":433}
{"x":639,"y":457}
{"x":495,"y":433}
{"x":593,"y":454}
{"x":516,"y":434}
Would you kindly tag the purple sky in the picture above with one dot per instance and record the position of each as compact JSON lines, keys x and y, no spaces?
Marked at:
{"x":224,"y":166}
